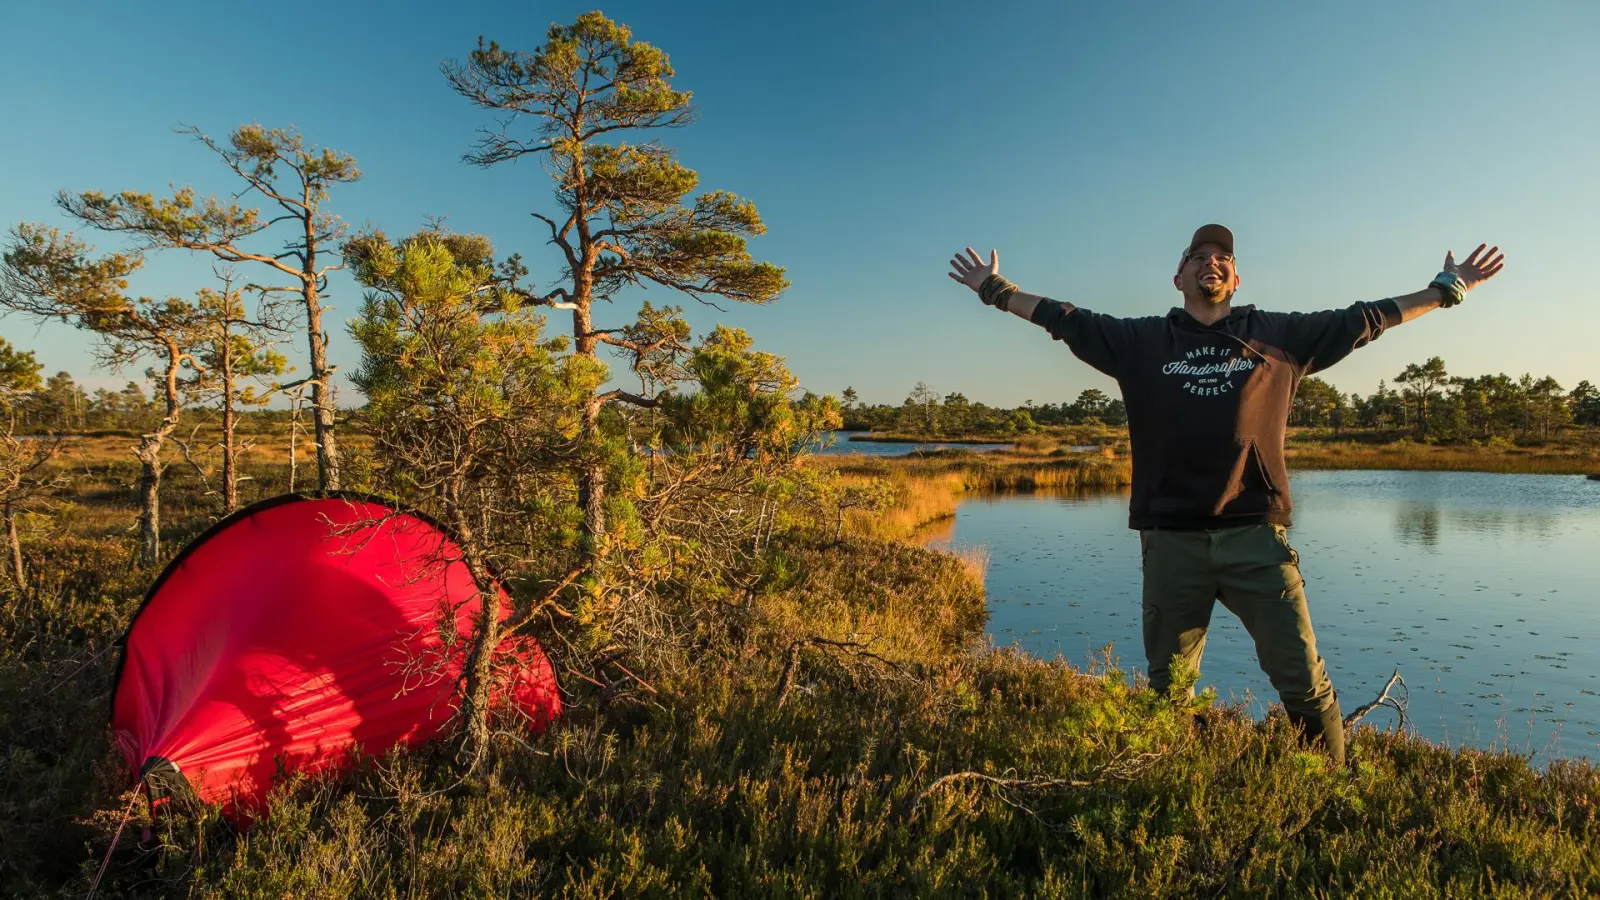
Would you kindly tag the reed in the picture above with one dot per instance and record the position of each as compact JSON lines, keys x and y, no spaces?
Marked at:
{"x":1405,"y":455}
{"x":974,"y":558}
{"x":929,"y":486}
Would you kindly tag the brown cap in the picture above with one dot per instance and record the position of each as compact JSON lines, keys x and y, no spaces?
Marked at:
{"x":1211,"y":234}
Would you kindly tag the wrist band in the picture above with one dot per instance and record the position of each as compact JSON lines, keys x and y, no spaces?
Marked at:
{"x":996,"y":291}
{"x":1449,"y":287}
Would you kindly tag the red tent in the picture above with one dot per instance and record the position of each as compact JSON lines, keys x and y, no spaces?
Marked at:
{"x":294,"y":630}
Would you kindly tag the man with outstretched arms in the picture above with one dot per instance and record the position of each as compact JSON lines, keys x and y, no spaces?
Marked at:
{"x":1208,"y":388}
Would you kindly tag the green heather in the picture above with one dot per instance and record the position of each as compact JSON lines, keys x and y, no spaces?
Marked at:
{"x":765,"y":761}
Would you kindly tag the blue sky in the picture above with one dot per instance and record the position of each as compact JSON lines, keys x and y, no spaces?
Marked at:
{"x":1348,"y":147}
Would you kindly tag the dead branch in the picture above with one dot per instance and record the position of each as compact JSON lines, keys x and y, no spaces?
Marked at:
{"x":547,"y":602}
{"x":1399,"y":705}
{"x":598,"y":684}
{"x":188,"y":456}
{"x":854,"y":649}
{"x":625,"y":396}
{"x":1122,"y":767}
{"x":645,"y":684}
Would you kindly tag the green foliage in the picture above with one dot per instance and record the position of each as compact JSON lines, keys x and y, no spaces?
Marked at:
{"x":1317,"y":404}
{"x":739,"y":403}
{"x":19,"y":374}
{"x":225,"y":341}
{"x":923,"y":413}
{"x":833,"y":498}
{"x":1441,"y":408}
{"x":1021,"y":422}
{"x":464,"y":392}
{"x":48,"y":274}
{"x":276,"y":162}
{"x":1585,"y":404}
{"x":1423,"y":382}
{"x":436,"y":336}
{"x":1448,"y":409}
{"x":590,"y":83}
{"x":626,"y":219}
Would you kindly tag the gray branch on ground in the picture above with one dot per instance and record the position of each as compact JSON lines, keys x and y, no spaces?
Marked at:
{"x":1122,"y":767}
{"x":853,"y":649}
{"x":1384,"y":698}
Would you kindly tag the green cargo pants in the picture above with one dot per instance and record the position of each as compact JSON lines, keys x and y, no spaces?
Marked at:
{"x":1256,"y":574}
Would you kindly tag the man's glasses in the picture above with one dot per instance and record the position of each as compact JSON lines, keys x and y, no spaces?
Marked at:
{"x":1224,"y":258}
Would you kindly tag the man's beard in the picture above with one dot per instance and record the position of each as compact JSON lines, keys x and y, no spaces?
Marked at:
{"x":1218,"y":293}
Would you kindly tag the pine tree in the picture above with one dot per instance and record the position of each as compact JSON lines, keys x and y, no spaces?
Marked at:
{"x":623,"y":219}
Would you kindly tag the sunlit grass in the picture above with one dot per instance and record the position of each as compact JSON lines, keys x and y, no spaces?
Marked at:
{"x":721,"y":784}
{"x":928,"y":487}
{"x":1426,"y":457}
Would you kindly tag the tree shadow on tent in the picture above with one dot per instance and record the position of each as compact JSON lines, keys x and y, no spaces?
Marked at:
{"x":324,"y":668}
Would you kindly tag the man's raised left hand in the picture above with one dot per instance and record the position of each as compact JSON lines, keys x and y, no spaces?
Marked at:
{"x":1478,"y":268}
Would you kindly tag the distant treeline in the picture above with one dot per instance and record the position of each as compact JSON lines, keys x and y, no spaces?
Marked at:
{"x":924,"y":412}
{"x":1436,"y":406}
{"x":62,"y":406}
{"x":1427,"y":401}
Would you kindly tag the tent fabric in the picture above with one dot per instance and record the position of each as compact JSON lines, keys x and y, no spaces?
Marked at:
{"x":295,"y":630}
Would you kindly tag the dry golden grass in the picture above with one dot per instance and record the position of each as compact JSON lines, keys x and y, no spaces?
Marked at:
{"x":117,"y":448}
{"x":927,"y":487}
{"x":974,"y":558}
{"x":1554,"y":460}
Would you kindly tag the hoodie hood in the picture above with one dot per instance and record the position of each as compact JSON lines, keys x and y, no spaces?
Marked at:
{"x":1180,"y":318}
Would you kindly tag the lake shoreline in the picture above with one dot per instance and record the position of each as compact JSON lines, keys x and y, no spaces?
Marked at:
{"x":1575,"y":453}
{"x":913,"y":439}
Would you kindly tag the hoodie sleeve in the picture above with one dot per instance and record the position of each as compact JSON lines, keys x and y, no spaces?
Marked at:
{"x":1318,"y":340}
{"x":1104,"y":342}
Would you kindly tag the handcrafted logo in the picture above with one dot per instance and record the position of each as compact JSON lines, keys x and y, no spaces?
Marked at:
{"x":1208,"y":371}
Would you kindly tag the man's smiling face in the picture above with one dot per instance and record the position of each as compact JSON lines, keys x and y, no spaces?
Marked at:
{"x":1207,"y":273}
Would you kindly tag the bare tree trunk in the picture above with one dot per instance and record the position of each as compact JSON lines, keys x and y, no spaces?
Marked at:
{"x":321,"y":378}
{"x":149,"y":454}
{"x":479,"y":667}
{"x":294,"y":436}
{"x":591,"y":475}
{"x":17,"y":573}
{"x":230,"y":479}
{"x":592,"y":483}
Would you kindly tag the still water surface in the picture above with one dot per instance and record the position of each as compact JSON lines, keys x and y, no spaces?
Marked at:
{"x":839,"y":442}
{"x":1484,"y":590}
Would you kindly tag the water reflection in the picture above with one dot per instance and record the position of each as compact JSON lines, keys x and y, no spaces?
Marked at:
{"x":837,"y":442}
{"x":939,"y":533}
{"x":1421,"y":522}
{"x":1418,"y":524}
{"x":1484,"y":590}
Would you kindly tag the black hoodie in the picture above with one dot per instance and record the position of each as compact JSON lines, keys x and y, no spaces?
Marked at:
{"x":1208,"y":404}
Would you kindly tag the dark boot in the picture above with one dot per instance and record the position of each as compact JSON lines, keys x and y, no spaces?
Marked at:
{"x":1325,"y":729}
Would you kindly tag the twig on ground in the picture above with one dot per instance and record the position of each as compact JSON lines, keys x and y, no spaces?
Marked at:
{"x":645,"y":684}
{"x":854,"y":649}
{"x":1121,"y":767}
{"x":1384,"y":699}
